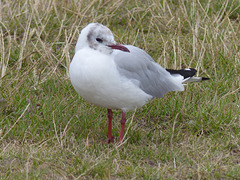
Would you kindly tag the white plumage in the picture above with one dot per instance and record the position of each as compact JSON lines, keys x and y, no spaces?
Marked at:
{"x":120,"y":77}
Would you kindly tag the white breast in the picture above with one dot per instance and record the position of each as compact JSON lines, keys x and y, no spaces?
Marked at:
{"x":95,"y":77}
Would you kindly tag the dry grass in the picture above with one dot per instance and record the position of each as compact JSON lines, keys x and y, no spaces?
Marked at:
{"x":48,"y":132}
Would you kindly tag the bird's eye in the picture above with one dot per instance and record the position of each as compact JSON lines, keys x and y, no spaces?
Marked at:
{"x":99,"y":40}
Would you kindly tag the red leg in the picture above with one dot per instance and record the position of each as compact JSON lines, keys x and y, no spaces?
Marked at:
{"x":123,"y":121}
{"x":110,"y":116}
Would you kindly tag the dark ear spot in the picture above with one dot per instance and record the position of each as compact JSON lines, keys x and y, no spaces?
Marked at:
{"x":89,"y":35}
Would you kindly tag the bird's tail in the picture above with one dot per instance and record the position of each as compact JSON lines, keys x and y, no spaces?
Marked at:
{"x":187,"y":75}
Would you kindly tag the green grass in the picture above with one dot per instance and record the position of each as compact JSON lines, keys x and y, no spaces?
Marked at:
{"x":48,"y":132}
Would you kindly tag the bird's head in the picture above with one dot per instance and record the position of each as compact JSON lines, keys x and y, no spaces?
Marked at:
{"x":98,"y":37}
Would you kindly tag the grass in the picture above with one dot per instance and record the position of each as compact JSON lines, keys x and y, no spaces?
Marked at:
{"x":48,"y":132}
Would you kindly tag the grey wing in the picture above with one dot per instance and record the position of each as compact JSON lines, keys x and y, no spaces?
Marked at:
{"x":139,"y":67}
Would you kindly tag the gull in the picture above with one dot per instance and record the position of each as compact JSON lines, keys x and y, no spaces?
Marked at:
{"x":123,"y":77}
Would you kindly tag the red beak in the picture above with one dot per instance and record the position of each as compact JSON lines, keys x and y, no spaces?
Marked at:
{"x":119,"y":47}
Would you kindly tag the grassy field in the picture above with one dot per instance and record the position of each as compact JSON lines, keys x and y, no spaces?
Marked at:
{"x":48,"y":132}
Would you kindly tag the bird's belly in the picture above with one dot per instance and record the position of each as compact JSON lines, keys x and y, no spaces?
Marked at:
{"x":101,"y":84}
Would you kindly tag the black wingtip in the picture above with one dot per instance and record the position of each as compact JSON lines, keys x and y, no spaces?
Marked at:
{"x":204,"y":78}
{"x":188,"y":72}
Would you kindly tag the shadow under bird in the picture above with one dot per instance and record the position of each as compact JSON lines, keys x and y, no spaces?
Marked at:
{"x":117,"y":76}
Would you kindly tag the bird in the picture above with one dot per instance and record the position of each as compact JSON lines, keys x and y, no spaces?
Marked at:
{"x":116,"y":76}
